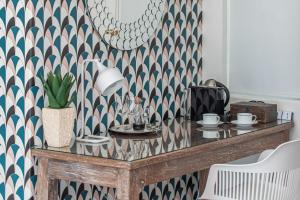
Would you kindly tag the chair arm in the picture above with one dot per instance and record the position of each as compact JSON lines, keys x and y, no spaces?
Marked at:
{"x":265,"y":154}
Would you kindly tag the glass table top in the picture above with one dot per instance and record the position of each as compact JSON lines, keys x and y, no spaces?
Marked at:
{"x":175,"y":135}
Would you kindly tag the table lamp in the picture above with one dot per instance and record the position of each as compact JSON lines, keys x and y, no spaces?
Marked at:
{"x":108,"y":82}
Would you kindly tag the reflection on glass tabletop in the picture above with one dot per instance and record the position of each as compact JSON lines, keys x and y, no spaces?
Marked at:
{"x":175,"y":135}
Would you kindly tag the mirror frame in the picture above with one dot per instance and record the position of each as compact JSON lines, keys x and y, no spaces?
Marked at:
{"x":125,"y":36}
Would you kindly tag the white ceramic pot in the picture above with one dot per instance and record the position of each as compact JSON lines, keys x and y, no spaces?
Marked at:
{"x":58,"y":126}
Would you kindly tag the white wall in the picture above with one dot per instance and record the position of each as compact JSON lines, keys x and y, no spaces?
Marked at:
{"x":264,"y":53}
{"x":265,"y":47}
{"x":214,"y":40}
{"x":230,"y":49}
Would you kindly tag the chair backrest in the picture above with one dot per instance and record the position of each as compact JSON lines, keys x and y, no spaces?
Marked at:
{"x":283,"y":158}
{"x":277,"y":177}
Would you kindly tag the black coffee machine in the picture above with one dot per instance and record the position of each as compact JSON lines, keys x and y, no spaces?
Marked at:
{"x":212,"y":97}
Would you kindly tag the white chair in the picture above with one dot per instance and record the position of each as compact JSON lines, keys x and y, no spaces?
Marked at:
{"x":276,"y":176}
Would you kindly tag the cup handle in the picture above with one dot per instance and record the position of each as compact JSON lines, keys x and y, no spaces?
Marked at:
{"x":218,"y":119}
{"x":254,"y":118}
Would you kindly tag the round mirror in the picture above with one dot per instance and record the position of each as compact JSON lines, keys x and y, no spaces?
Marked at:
{"x":125,"y":24}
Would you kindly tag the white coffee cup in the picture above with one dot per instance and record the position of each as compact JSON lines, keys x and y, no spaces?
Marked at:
{"x":211,"y":118}
{"x":246,"y":118}
{"x":211,"y":134}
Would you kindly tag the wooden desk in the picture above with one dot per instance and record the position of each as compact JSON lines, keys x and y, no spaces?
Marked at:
{"x":128,"y":164}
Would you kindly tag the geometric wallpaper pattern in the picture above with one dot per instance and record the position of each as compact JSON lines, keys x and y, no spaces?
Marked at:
{"x":38,"y":36}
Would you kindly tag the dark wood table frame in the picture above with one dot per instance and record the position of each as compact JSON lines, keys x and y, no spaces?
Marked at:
{"x":129,"y":178}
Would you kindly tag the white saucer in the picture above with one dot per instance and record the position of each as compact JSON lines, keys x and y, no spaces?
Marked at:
{"x":209,"y":125}
{"x":235,"y":122}
{"x":201,"y":129}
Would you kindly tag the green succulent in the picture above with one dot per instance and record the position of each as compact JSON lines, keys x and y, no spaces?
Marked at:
{"x":58,"y":89}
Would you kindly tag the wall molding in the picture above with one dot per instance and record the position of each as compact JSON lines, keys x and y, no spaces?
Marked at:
{"x":245,"y":95}
{"x":227,"y":40}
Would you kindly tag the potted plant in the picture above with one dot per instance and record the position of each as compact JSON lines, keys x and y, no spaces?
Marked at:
{"x":58,"y":118}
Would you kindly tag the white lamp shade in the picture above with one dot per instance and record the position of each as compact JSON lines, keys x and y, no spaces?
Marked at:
{"x":109,"y":81}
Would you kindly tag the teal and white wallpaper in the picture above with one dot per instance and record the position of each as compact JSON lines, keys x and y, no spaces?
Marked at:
{"x":37,"y":36}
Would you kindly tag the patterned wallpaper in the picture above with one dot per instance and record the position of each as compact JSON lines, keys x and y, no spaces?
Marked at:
{"x":39,"y":36}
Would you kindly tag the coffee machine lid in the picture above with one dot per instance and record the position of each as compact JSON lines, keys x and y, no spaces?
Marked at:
{"x":205,"y":86}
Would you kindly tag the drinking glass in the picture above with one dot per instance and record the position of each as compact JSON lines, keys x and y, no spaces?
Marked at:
{"x":139,"y":117}
{"x":119,"y":111}
{"x":147,"y":116}
{"x":128,"y":107}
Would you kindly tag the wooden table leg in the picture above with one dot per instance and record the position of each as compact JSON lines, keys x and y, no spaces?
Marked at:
{"x":129,"y":187}
{"x":203,"y":179}
{"x":46,"y":187}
